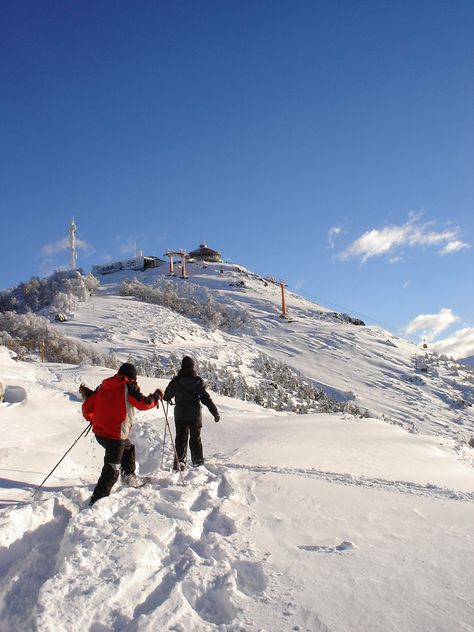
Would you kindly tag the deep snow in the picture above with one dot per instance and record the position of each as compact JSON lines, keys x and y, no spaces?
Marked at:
{"x":296,"y":522}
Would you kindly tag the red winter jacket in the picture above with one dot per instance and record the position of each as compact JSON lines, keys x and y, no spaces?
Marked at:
{"x":111,"y":408}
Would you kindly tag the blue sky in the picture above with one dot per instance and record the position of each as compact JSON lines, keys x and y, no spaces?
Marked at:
{"x":329,"y":144}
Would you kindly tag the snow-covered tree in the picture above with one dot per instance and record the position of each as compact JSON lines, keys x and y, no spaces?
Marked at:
{"x":17,"y":329}
{"x":60,"y":292}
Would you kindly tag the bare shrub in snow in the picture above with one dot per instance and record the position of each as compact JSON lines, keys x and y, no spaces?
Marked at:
{"x":151,"y":366}
{"x":346,"y":318}
{"x":270,"y":279}
{"x":286,"y":389}
{"x":277,"y":386}
{"x":192,"y":302}
{"x":17,"y":328}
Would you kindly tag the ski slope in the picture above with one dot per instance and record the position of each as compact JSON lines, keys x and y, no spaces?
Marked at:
{"x":296,"y":522}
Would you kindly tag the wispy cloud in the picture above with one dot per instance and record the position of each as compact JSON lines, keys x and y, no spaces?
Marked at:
{"x":460,"y":345}
{"x":47,"y":267}
{"x":453,"y":246}
{"x":429,"y":326}
{"x":298,"y":285}
{"x":128,"y":246}
{"x":53,"y":247}
{"x":50,"y":262}
{"x":333,"y":233}
{"x":395,"y":258}
{"x":84,"y":245}
{"x":391,"y":239}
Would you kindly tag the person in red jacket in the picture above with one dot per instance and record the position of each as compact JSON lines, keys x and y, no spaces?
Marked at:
{"x":111,"y":411}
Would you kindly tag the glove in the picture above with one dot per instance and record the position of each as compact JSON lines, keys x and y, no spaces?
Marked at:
{"x":217,"y":417}
{"x":158,"y":395}
{"x":85,"y":391}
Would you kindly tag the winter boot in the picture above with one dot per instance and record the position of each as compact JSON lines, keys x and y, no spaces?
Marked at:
{"x":131,"y":480}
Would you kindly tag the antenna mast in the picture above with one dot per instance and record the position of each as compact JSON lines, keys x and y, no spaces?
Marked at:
{"x":72,"y":245}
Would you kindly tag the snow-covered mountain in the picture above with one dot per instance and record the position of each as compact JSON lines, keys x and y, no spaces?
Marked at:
{"x":359,"y":519}
{"x":390,"y":378}
{"x":469,"y":361}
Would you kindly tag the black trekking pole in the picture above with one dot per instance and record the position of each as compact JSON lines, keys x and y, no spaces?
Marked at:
{"x":172,"y":443}
{"x":164,"y":441}
{"x":84,"y":433}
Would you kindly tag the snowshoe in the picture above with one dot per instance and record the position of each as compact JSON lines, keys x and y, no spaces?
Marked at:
{"x":131,"y":480}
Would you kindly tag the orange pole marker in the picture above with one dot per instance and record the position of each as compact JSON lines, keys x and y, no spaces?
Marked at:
{"x":283,"y":304}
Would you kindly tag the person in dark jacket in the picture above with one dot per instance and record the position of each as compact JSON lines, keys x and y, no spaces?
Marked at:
{"x":189,"y":391}
{"x":111,"y":410}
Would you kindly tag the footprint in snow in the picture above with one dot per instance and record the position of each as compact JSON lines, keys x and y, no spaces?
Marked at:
{"x":216,"y":605}
{"x":343,"y":547}
{"x":251,"y":579}
{"x":225,"y":488}
{"x":202,"y":502}
{"x":216,"y":522}
{"x":171,"y":511}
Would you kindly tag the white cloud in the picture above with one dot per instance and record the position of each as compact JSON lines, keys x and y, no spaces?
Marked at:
{"x":84,"y":245}
{"x":375,"y":243}
{"x":388,"y":241}
{"x":460,"y":345}
{"x":453,"y":246}
{"x":395,"y":259}
{"x":62,"y":244}
{"x":429,"y":326}
{"x":46,"y":267}
{"x":298,"y":285}
{"x":420,"y":236}
{"x":333,"y":233}
{"x":54,"y":247}
{"x":128,"y":246}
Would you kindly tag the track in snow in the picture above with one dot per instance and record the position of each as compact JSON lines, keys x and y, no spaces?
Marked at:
{"x":406,"y":487}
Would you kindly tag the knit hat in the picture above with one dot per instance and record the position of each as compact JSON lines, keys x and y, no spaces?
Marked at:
{"x":187,"y":364}
{"x":128,"y":370}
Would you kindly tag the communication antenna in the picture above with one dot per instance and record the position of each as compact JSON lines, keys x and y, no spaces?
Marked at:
{"x":72,"y":245}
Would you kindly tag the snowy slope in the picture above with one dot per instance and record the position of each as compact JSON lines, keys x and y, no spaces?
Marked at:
{"x":469,"y":361}
{"x":296,"y":522}
{"x":314,"y":522}
{"x":365,"y":365}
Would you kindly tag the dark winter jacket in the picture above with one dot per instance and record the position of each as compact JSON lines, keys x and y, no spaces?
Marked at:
{"x":189,"y":391}
{"x":111,"y":406}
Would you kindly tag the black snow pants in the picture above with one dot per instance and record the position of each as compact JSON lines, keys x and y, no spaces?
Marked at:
{"x":188,"y":431}
{"x":119,"y":458}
